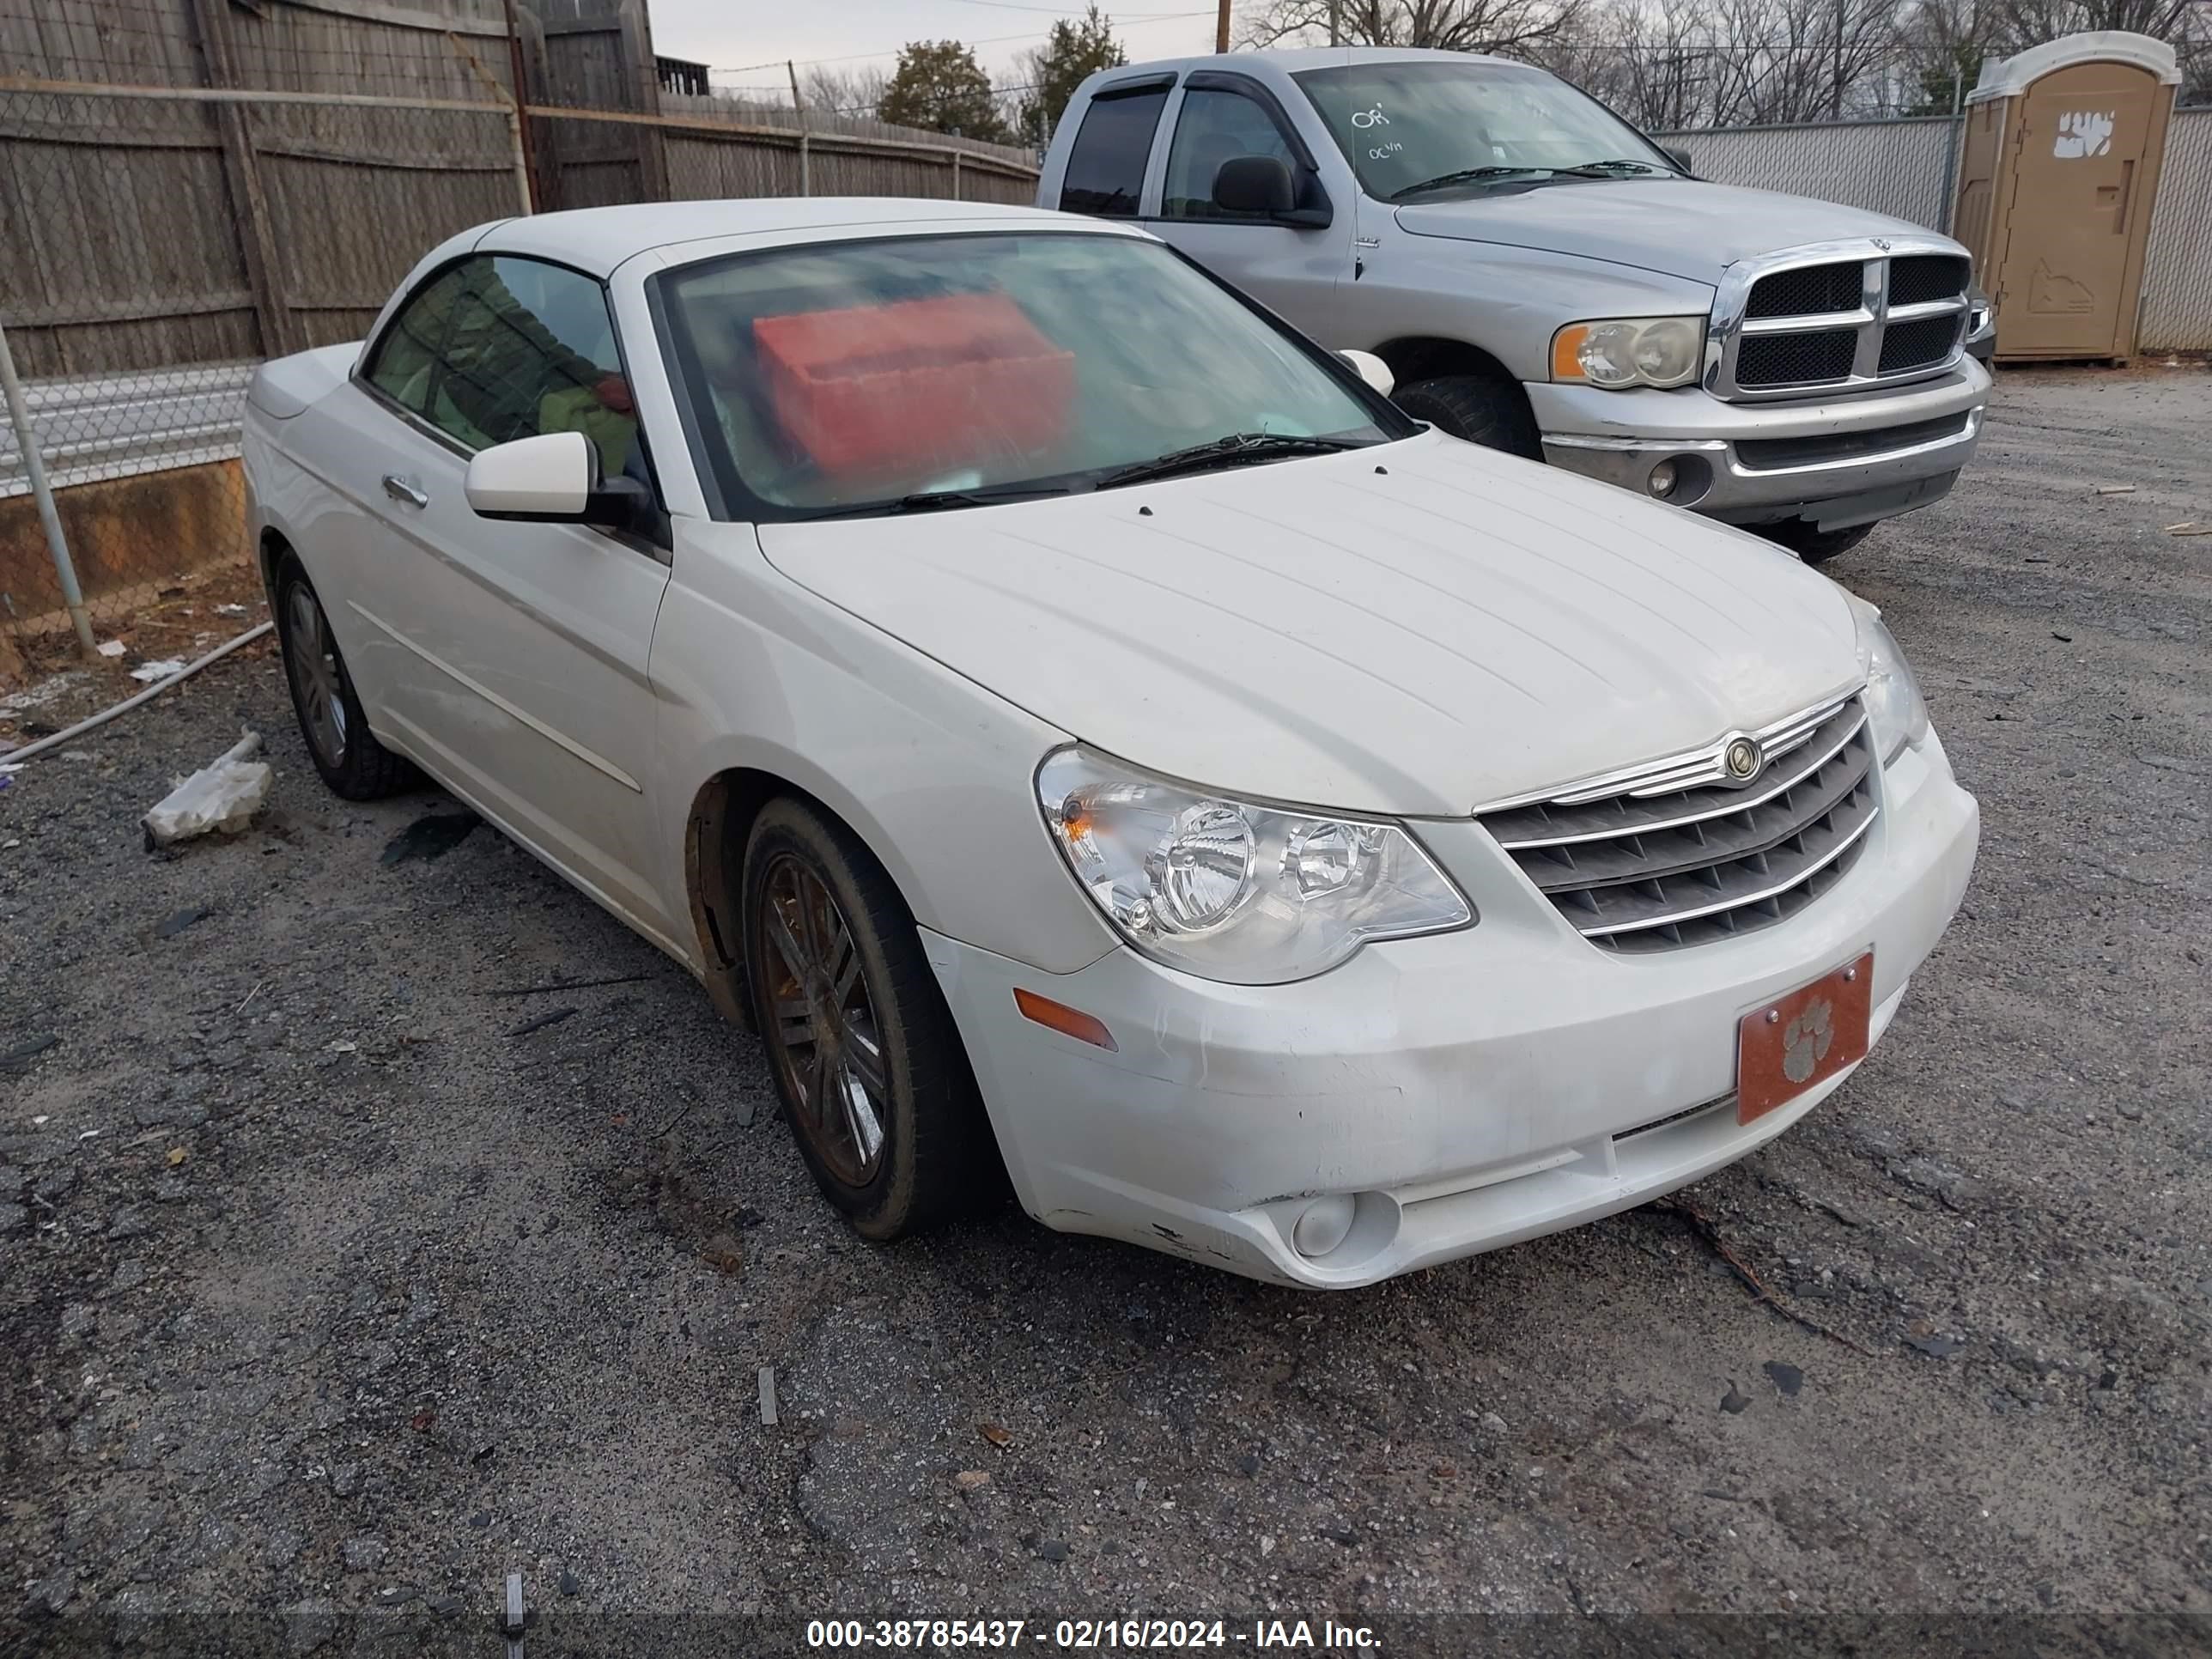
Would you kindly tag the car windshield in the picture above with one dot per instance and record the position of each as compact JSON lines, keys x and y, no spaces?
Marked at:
{"x":1414,"y":126}
{"x":949,"y":370}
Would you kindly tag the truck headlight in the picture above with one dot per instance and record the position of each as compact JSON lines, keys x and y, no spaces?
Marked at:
{"x":1229,"y":889}
{"x":1627,"y":351}
{"x":1895,"y":707}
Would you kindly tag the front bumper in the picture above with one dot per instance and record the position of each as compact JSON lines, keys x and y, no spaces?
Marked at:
{"x":1469,"y":1089}
{"x":1726,"y":453}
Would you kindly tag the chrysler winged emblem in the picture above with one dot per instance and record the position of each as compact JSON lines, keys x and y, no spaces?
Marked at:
{"x":1743,"y":759}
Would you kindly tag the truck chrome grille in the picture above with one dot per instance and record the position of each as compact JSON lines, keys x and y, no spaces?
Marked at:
{"x":1807,"y":291}
{"x":1671,"y":854}
{"x":1915,"y":346}
{"x":1837,"y":316}
{"x":1919,"y":278}
{"x":1797,"y":359}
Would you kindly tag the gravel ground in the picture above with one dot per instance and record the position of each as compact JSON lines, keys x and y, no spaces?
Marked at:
{"x":344,"y":1270}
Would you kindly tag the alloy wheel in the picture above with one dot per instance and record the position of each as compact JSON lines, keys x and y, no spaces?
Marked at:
{"x":313,"y":663}
{"x":824,"y":1031}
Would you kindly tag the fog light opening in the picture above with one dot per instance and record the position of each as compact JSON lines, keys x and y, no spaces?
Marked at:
{"x":1323,"y":1225}
{"x":1662,"y":481}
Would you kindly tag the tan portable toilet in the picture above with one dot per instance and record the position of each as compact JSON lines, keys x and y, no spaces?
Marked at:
{"x":2056,"y":186}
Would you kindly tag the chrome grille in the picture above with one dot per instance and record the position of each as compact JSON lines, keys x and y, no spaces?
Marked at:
{"x":1915,"y":346}
{"x":1807,"y":290}
{"x":1837,"y":316}
{"x":1665,"y":855}
{"x":1920,"y":278}
{"x":1797,"y":359}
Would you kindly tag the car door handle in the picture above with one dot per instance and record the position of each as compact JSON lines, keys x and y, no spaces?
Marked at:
{"x":400,"y":491}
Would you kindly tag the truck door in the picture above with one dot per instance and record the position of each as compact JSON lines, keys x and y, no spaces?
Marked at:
{"x":1293,"y":269}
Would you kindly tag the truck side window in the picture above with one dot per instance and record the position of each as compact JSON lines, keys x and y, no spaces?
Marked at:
{"x":1215,"y":126}
{"x":1106,"y":169}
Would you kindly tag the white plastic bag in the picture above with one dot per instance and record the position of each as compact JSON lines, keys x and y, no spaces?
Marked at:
{"x":222,"y":796}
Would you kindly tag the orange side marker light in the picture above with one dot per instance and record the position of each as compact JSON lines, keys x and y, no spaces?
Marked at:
{"x":1068,"y":1022}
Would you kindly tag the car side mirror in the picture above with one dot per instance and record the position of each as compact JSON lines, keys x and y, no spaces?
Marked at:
{"x":1681,"y":158}
{"x":1372,"y":369}
{"x":552,"y":479}
{"x":1255,"y":184}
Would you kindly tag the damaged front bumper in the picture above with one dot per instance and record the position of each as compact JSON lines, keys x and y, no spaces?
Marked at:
{"x":1439,"y":1096}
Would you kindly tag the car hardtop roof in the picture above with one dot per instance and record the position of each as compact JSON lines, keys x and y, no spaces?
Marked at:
{"x":596,"y":240}
{"x":1292,"y":59}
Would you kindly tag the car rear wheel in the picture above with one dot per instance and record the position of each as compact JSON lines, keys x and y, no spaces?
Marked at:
{"x":1480,"y":408}
{"x":868,"y":1065}
{"x":1812,"y":544}
{"x":350,"y":760}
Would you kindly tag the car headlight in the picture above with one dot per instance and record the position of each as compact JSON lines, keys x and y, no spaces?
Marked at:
{"x":1895,"y":705}
{"x":1626,"y":351}
{"x":1230,"y":890}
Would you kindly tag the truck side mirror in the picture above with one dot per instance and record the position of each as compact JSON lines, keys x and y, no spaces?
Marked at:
{"x":1255,"y":184}
{"x":1264,"y":187}
{"x":1681,"y":158}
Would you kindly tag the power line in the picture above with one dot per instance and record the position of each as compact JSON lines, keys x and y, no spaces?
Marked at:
{"x":893,"y":51}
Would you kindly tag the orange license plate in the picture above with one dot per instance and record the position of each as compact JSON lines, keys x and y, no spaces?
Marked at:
{"x":1803,"y":1038}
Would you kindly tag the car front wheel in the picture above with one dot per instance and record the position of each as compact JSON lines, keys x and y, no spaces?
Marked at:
{"x":350,"y":760}
{"x":1480,"y":408}
{"x":868,"y":1065}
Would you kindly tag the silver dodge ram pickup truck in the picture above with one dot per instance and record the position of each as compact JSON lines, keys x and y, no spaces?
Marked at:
{"x":1539,"y":277}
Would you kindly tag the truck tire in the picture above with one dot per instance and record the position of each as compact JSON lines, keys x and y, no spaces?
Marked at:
{"x":1480,"y":408}
{"x":1813,"y":545}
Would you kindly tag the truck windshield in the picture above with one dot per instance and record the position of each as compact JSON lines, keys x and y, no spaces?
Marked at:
{"x":921,"y":372}
{"x":1412,"y":127}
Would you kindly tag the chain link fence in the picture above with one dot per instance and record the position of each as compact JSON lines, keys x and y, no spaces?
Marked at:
{"x":191,"y":187}
{"x":1907,"y":167}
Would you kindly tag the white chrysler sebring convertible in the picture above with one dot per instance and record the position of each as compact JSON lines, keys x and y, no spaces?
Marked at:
{"x":1085,"y":730}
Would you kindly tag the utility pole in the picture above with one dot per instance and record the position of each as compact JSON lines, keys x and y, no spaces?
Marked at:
{"x":1221,"y":27}
{"x":1336,"y":22}
{"x":1836,"y":92}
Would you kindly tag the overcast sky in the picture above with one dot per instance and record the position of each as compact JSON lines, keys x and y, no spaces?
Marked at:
{"x":734,"y":34}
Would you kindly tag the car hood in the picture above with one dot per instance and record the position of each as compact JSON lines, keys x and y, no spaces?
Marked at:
{"x":1682,"y":227}
{"x":1413,"y":629}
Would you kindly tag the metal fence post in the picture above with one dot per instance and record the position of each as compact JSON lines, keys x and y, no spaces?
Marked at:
{"x":799,"y":110}
{"x":1951,"y":156}
{"x":34,"y":467}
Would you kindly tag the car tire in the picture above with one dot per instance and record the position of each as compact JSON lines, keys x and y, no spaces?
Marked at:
{"x":1812,"y":544}
{"x":1480,"y":408}
{"x":844,"y":1000}
{"x":332,"y":722}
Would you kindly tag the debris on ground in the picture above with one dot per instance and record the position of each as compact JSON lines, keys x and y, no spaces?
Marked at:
{"x":169,"y":926}
{"x":224,"y":796}
{"x":768,"y":1396}
{"x":110,"y":647}
{"x":428,"y":838}
{"x":552,"y":1017}
{"x":972,"y":1479}
{"x":1786,"y":1377}
{"x":723,"y":1253}
{"x":148,"y":673}
{"x":997,"y":1435}
{"x":2115,"y":490}
{"x":1735,"y":1402}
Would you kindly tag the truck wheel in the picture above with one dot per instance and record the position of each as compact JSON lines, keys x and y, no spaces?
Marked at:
{"x":1813,"y":545}
{"x":1484,"y":410}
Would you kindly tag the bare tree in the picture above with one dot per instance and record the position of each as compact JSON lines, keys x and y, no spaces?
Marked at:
{"x":1449,"y":25}
{"x":843,"y":91}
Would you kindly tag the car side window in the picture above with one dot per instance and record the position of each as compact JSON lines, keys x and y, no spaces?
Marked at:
{"x":1106,"y":167}
{"x":498,"y":347}
{"x":1214,"y":127}
{"x":408,"y":352}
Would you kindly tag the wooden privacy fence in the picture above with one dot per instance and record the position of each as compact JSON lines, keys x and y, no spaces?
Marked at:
{"x":160,"y":240}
